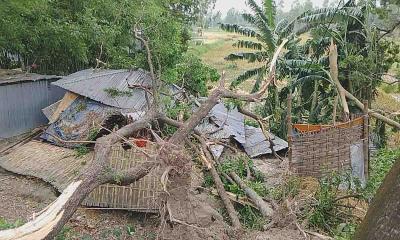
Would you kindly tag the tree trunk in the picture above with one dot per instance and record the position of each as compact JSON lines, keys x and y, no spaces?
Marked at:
{"x":334,"y":72}
{"x":382,"y":221}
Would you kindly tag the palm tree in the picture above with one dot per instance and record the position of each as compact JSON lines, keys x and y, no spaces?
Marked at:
{"x":266,"y":35}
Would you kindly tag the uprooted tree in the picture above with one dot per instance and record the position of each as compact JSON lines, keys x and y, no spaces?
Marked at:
{"x":169,"y":156}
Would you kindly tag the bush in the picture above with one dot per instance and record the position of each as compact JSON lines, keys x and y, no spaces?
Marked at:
{"x":195,"y":75}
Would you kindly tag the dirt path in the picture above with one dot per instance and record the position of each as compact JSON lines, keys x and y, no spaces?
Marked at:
{"x":21,"y":197}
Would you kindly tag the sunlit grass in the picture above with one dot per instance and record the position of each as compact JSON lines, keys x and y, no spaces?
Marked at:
{"x":386,"y":102}
{"x":217,"y":44}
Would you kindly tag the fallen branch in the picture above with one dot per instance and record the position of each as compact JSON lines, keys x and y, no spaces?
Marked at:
{"x":320,"y":236}
{"x":220,"y":187}
{"x":264,"y":131}
{"x":345,"y":94}
{"x":238,"y":199}
{"x":373,"y":113}
{"x":265,"y":210}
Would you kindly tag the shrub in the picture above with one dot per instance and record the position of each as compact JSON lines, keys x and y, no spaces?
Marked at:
{"x":195,"y":75}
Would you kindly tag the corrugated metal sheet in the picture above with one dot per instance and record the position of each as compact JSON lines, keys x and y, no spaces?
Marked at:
{"x":222,"y":124}
{"x":21,"y":104}
{"x":231,"y":120}
{"x":8,"y":76}
{"x":256,"y":143}
{"x":93,"y":83}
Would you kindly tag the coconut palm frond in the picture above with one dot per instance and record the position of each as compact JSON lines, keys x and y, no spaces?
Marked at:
{"x":265,"y":34}
{"x":267,"y":37}
{"x":247,"y":75}
{"x":303,"y":29}
{"x":248,"y":44}
{"x":354,"y":11}
{"x":238,"y":29}
{"x":250,"y":18}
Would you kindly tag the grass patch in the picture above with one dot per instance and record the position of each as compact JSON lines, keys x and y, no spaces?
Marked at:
{"x":4,"y":224}
{"x":217,"y":45}
{"x":81,"y":151}
{"x":384,"y":101}
{"x":380,"y":166}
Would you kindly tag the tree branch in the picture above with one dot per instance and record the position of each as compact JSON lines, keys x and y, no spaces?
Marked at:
{"x":128,"y":176}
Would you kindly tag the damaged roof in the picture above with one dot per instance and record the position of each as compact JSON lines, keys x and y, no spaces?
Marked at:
{"x":95,"y":83}
{"x":256,"y":143}
{"x":8,"y":76}
{"x":223,"y":123}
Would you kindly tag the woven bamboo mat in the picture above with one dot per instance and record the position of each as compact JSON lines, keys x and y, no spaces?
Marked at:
{"x":60,"y":166}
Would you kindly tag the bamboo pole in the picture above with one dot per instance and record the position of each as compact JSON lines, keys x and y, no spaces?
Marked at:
{"x":366,"y":140}
{"x":289,"y":128}
{"x":372,"y":113}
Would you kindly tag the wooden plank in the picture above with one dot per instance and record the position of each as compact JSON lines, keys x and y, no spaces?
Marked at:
{"x":65,"y":102}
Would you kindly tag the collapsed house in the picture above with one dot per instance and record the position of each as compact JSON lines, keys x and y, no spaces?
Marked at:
{"x":95,"y":103}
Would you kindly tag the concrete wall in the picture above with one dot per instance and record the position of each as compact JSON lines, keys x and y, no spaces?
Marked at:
{"x":21,"y":105}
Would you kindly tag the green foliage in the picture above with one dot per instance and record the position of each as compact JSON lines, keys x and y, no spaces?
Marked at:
{"x":326,"y":213}
{"x":379,"y":167}
{"x":208,"y":180}
{"x":81,"y":151}
{"x":237,"y":164}
{"x":64,"y":233}
{"x":81,"y":107}
{"x":4,"y":224}
{"x":114,"y":92}
{"x":169,"y":130}
{"x":179,"y":108}
{"x":61,"y":37}
{"x":288,"y":189}
{"x":250,"y":122}
{"x":251,"y":218}
{"x":93,"y":132}
{"x":194,"y":75}
{"x":130,"y":230}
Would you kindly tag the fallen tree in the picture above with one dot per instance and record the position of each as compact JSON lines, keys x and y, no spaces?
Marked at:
{"x":169,"y":155}
{"x":343,"y":93}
